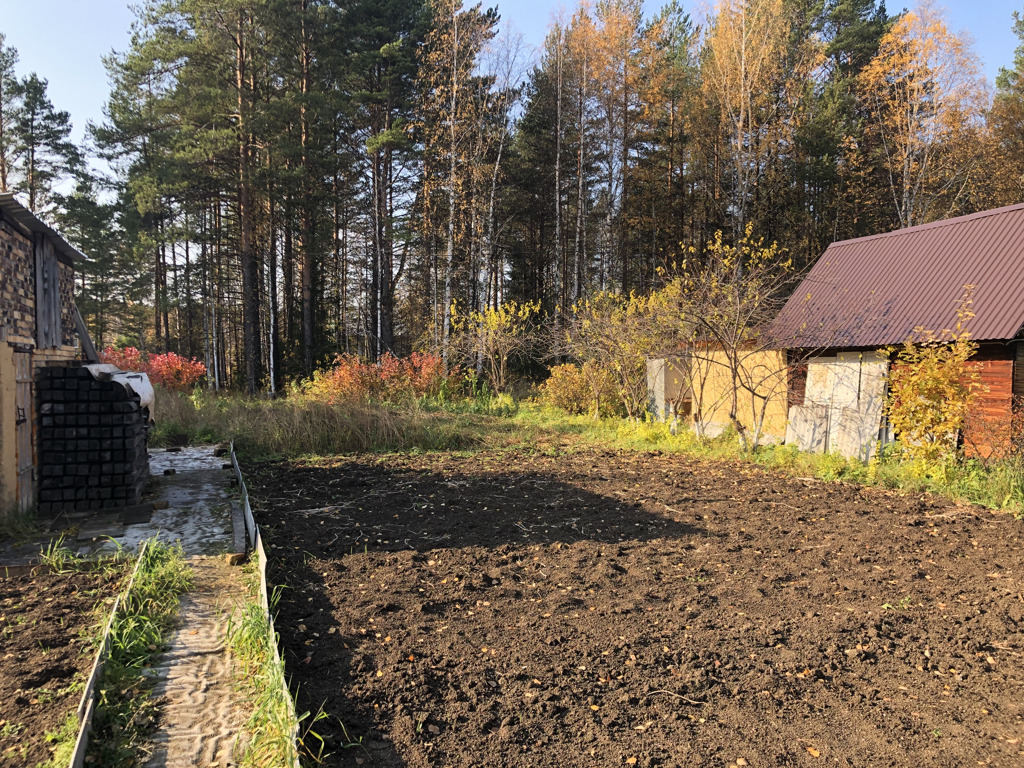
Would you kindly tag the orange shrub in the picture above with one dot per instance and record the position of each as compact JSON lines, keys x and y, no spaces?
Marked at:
{"x":390,"y":380}
{"x":169,"y":370}
{"x":127,"y":359}
{"x":175,"y":372}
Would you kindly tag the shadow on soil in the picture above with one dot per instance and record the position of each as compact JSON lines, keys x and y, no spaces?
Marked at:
{"x":355,"y":518}
{"x":419,"y":509}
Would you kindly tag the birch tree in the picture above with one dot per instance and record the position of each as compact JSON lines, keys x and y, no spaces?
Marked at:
{"x":757,"y":81}
{"x":925,"y":96}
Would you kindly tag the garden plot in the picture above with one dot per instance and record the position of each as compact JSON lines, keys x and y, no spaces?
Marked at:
{"x":48,"y":624}
{"x":603,"y":609}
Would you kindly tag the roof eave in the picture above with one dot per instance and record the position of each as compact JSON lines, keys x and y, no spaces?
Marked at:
{"x":19,"y":214}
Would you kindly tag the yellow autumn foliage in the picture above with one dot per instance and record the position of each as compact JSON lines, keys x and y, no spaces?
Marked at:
{"x":931,"y":388}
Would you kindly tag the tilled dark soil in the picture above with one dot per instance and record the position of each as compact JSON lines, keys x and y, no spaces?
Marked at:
{"x":47,"y":623}
{"x":606,"y":609}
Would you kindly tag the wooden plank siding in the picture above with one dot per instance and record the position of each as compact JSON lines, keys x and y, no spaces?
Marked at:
{"x":25,"y":424}
{"x":796,"y":391}
{"x":987,"y":433}
{"x":1017,"y":425}
{"x":1018,"y":369}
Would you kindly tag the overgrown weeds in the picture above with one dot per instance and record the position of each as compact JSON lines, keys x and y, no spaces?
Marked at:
{"x":274,"y":728}
{"x":301,"y":426}
{"x":138,"y":633}
{"x":291,"y":428}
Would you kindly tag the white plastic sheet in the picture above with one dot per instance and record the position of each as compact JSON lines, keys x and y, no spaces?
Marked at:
{"x":136,"y":383}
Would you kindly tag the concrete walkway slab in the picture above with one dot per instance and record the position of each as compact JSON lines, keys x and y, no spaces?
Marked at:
{"x":202,"y":709}
{"x":199,"y":505}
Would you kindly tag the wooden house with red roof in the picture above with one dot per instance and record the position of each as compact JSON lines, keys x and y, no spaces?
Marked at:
{"x":868,"y":294}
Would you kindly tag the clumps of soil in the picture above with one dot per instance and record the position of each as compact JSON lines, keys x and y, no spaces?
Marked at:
{"x":47,"y":626}
{"x":605,"y":608}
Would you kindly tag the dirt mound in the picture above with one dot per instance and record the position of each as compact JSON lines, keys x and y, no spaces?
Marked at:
{"x":47,"y":625}
{"x":605,"y":609}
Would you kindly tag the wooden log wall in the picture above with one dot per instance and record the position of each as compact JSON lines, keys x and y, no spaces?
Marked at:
{"x":988,"y":430}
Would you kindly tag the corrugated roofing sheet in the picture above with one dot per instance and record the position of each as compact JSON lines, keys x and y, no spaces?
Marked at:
{"x":18,"y":213}
{"x":874,"y":291}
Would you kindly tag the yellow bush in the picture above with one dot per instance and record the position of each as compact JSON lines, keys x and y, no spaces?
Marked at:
{"x":617,"y":334}
{"x":931,"y":387}
{"x":582,"y":389}
{"x":566,"y":389}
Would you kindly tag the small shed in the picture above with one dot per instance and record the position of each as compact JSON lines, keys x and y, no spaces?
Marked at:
{"x":38,"y":326}
{"x":73,"y":433}
{"x":695,"y":386}
{"x":867,"y":294}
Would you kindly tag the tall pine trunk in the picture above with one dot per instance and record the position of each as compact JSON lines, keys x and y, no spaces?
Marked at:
{"x":452,"y":169}
{"x":307,"y":245}
{"x":250,"y":286}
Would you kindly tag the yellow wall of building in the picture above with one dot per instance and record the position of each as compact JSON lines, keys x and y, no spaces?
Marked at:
{"x":8,"y":435}
{"x":765,"y":372}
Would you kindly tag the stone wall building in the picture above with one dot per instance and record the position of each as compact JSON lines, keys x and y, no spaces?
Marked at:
{"x":38,"y":327}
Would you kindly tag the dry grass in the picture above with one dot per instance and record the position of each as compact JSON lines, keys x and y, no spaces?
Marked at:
{"x":302,"y":427}
{"x":288,"y":427}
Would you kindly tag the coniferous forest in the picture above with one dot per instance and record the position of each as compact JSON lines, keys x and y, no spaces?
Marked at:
{"x":293,"y":179}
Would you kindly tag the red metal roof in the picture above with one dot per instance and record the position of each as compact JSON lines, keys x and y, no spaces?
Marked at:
{"x":874,"y":291}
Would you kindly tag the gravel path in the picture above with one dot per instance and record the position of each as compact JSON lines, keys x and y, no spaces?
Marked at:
{"x":202,"y":709}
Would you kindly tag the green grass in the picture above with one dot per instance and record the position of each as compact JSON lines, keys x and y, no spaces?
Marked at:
{"x":146,"y":616}
{"x":273,"y":723}
{"x":17,"y":526}
{"x":295,"y":428}
{"x":62,"y":740}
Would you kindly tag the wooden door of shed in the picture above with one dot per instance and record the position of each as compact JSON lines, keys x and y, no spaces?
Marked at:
{"x":25,"y":428}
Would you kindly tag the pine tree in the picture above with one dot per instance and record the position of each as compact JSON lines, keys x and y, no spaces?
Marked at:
{"x":1006,"y":123}
{"x":384,"y":36}
{"x":8,"y":109}
{"x":111,"y":281}
{"x":43,"y":149}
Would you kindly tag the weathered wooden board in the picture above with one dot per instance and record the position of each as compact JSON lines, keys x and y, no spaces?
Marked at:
{"x":25,"y":422}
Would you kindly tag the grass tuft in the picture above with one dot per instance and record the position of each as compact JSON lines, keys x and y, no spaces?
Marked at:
{"x":62,"y":740}
{"x":273,"y":724}
{"x":146,"y":616}
{"x":59,"y":558}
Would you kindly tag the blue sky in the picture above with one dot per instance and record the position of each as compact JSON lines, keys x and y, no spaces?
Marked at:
{"x":65,"y":40}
